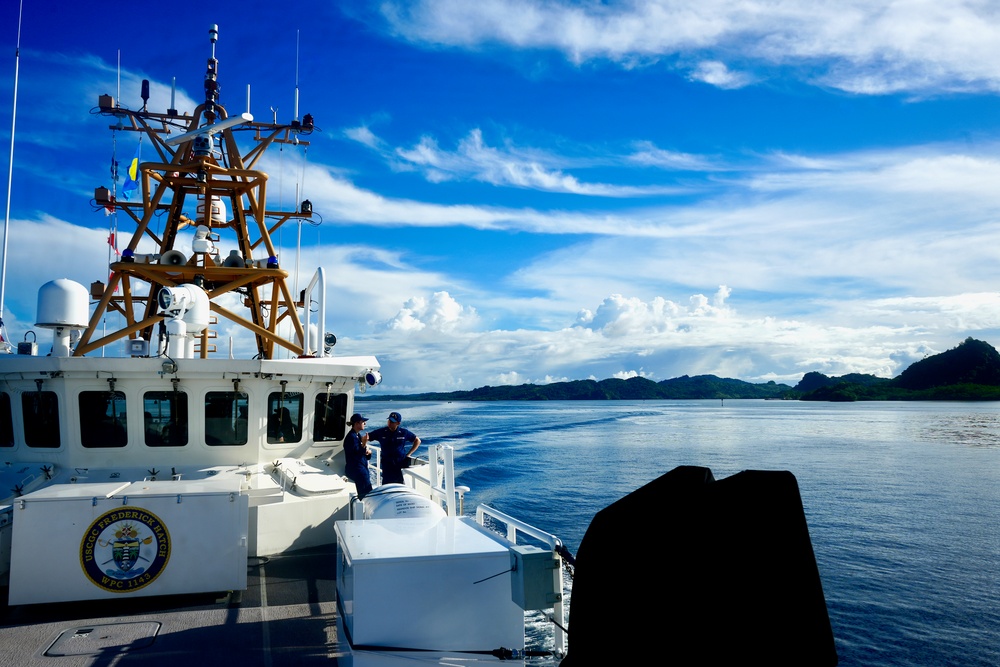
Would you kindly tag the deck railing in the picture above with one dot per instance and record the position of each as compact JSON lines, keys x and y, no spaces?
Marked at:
{"x":516,"y":527}
{"x":440,"y":485}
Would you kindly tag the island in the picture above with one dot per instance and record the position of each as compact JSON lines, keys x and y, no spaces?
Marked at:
{"x":968,"y":372}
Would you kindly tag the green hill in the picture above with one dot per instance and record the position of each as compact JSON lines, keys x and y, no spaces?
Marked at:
{"x":968,"y":372}
{"x":972,"y":362}
{"x":637,"y":388}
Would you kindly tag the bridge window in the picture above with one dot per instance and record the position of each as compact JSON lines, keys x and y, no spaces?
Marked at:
{"x":284,"y":416}
{"x":226,"y":418}
{"x":330,"y":421}
{"x":102,"y":419}
{"x":6,"y":421}
{"x":40,"y":411}
{"x":165,"y":416}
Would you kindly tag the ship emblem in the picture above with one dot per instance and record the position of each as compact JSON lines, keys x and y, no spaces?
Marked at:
{"x":125,"y":549}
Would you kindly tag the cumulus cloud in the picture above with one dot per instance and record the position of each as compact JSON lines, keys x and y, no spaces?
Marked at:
{"x":441,"y":313}
{"x":624,"y":316}
{"x":862,"y":46}
{"x":514,"y":378}
{"x":509,"y":379}
{"x":626,"y":375}
{"x":706,"y":335}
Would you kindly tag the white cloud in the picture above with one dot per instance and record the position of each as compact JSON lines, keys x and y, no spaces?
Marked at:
{"x":509,"y":379}
{"x":783,"y":219}
{"x":862,"y":46}
{"x":511,"y":166}
{"x":341,"y":200}
{"x":706,"y":337}
{"x":439,"y":313}
{"x":363,"y":135}
{"x":802,"y":240}
{"x":809,"y":234}
{"x":477,"y":160}
{"x":627,"y":317}
{"x":647,"y":154}
{"x":433,"y":341}
{"x":717,"y":74}
{"x":626,"y":375}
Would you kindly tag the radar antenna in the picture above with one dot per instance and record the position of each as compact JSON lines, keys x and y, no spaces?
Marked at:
{"x":203,"y":164}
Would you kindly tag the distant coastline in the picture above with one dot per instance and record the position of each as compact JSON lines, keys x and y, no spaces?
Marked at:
{"x":969,"y":372}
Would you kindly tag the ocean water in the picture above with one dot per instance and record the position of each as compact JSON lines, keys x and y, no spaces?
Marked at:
{"x":902,"y":499}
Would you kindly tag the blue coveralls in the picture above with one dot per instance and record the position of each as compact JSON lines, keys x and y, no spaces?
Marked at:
{"x":357,"y":464}
{"x":394,"y":448}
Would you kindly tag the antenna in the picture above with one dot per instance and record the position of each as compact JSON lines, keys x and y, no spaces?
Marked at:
{"x":10,"y":177}
{"x":210,"y":129}
{"x":211,"y":77}
{"x":296,"y":117}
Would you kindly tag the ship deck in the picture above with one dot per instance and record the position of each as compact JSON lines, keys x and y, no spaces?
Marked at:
{"x":287,"y":616}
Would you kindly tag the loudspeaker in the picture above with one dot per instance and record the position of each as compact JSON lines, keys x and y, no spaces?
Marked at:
{"x":235,"y":260}
{"x":173,"y":258}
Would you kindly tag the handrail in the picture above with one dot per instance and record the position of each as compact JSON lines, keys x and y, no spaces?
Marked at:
{"x":376,"y":463}
{"x":558,"y":617}
{"x":513,"y":525}
{"x":452,"y":495}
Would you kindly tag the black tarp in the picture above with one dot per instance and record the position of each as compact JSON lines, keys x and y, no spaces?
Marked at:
{"x":688,"y":570}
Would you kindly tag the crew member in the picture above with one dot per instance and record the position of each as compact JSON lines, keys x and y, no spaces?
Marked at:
{"x":393,"y":439}
{"x":357,"y":454}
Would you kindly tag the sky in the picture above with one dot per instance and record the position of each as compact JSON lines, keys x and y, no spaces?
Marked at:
{"x":515,"y":191}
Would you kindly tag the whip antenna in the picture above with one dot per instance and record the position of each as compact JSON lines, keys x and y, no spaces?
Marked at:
{"x":10,"y":177}
{"x":296,"y":117}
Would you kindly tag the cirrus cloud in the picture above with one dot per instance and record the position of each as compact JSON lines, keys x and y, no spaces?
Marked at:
{"x":861,"y":46}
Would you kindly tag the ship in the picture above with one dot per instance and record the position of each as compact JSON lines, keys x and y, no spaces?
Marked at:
{"x":160,"y":496}
{"x":175,"y":503}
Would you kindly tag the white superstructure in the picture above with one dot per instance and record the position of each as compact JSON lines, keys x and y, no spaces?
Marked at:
{"x":166,"y":471}
{"x":222,"y":458}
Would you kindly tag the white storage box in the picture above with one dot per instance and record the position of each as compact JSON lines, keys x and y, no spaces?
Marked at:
{"x":439,"y":583}
{"x":109,"y":540}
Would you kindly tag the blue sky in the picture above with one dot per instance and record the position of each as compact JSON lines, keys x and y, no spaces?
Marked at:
{"x":529,"y":191}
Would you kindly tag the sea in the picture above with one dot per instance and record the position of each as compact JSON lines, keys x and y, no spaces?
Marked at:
{"x":902,"y":499}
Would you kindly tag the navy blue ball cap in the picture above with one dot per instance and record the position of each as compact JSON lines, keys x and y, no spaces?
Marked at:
{"x":395,"y":417}
{"x":356,"y":417}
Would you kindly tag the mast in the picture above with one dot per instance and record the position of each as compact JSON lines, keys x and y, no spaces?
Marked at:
{"x":4,"y":343}
{"x":198,"y":161}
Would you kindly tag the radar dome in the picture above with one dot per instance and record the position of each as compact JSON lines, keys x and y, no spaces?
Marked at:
{"x":63,"y":303}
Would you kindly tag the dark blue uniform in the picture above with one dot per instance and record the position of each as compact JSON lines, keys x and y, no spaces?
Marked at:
{"x":394,"y":448}
{"x":357,"y":464}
